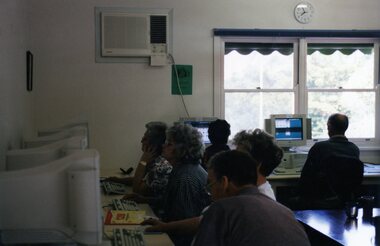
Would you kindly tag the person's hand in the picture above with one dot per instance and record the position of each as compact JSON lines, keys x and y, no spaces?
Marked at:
{"x":156,"y":225}
{"x":149,"y":154}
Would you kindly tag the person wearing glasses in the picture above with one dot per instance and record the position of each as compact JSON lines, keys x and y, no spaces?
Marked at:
{"x":185,"y":195}
{"x":241,"y":214}
{"x":152,"y":173}
{"x":262,"y":147}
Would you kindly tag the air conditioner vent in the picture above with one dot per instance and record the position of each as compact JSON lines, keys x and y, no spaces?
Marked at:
{"x":126,"y":34}
{"x":158,"y":27}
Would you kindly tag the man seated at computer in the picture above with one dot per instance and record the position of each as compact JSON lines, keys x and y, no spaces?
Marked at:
{"x":218,"y":133}
{"x":263,"y":148}
{"x":336,"y":145}
{"x":152,"y":173}
{"x":240,"y":214}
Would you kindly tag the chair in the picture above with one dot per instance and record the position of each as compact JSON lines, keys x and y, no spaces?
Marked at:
{"x":337,"y":182}
{"x":340,"y":179}
{"x":345,"y":175}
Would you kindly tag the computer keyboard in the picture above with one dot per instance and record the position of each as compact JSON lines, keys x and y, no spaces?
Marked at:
{"x":128,"y":237}
{"x":371,"y":168}
{"x":121,"y":204}
{"x":114,"y":188}
{"x":287,"y":171}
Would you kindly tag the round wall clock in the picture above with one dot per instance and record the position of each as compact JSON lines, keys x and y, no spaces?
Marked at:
{"x":303,"y":12}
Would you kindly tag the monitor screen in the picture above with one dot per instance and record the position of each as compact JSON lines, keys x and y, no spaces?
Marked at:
{"x":289,"y":130}
{"x":201,"y":124}
{"x":58,"y":202}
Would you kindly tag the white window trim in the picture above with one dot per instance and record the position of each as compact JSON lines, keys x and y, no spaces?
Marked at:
{"x":299,"y":53}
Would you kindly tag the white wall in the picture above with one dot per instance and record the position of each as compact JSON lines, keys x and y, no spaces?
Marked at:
{"x":15,"y":101}
{"x":119,"y":98}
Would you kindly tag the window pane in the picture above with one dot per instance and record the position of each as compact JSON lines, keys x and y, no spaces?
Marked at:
{"x":350,"y":71}
{"x":358,"y":106}
{"x":254,"y":70}
{"x":245,"y":111}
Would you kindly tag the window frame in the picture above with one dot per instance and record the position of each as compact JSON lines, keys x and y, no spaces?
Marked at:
{"x":299,"y":79}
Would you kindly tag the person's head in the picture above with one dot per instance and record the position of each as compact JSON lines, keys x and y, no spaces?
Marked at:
{"x":262,"y":147}
{"x":229,"y":171}
{"x":183,"y":144}
{"x":337,"y":124}
{"x":218,"y":131}
{"x":154,"y":136}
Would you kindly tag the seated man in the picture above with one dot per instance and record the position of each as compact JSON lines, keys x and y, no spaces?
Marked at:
{"x":336,"y":145}
{"x":240,"y":214}
{"x":262,"y":147}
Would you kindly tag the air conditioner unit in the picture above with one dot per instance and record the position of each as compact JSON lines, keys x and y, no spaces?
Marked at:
{"x":134,"y":34}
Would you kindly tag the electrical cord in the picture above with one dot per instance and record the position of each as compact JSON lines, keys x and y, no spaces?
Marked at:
{"x":179,"y":87}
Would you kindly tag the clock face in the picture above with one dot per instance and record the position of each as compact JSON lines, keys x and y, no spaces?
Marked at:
{"x":304,"y":12}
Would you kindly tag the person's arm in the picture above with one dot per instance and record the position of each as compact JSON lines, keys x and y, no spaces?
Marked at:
{"x":147,"y":157}
{"x":213,"y":228}
{"x":181,"y":227}
{"x":140,"y":199}
{"x":308,"y":173}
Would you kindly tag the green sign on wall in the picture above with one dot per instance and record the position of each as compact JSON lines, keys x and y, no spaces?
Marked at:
{"x":185,"y":76}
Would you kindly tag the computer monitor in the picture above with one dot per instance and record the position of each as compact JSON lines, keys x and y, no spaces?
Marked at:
{"x":32,"y":157}
{"x":201,"y":124}
{"x":289,"y":130}
{"x":40,"y":141}
{"x":54,"y":203}
{"x":76,"y":125}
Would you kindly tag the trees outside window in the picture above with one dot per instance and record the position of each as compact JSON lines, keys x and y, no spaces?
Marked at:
{"x":302,"y":76}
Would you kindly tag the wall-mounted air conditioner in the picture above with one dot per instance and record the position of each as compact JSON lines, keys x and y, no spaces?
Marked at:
{"x":133,"y":34}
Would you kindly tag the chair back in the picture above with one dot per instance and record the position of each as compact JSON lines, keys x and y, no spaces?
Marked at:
{"x":344,"y":176}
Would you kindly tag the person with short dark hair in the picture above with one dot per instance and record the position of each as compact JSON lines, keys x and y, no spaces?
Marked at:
{"x":336,"y":145}
{"x":218,"y":133}
{"x":240,"y":214}
{"x":268,"y":154}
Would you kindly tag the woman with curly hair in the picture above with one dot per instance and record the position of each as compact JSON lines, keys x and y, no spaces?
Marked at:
{"x":263,"y":148}
{"x":186,"y":196}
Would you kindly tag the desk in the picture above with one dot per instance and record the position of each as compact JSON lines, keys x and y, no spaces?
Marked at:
{"x":290,"y":181}
{"x":159,"y":239}
{"x":333,"y":225}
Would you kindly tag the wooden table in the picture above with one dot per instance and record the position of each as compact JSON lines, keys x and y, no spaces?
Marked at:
{"x":331,"y":227}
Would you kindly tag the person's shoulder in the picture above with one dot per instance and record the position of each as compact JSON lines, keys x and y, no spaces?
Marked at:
{"x":318,"y":145}
{"x":322,"y":143}
{"x":186,"y":171}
